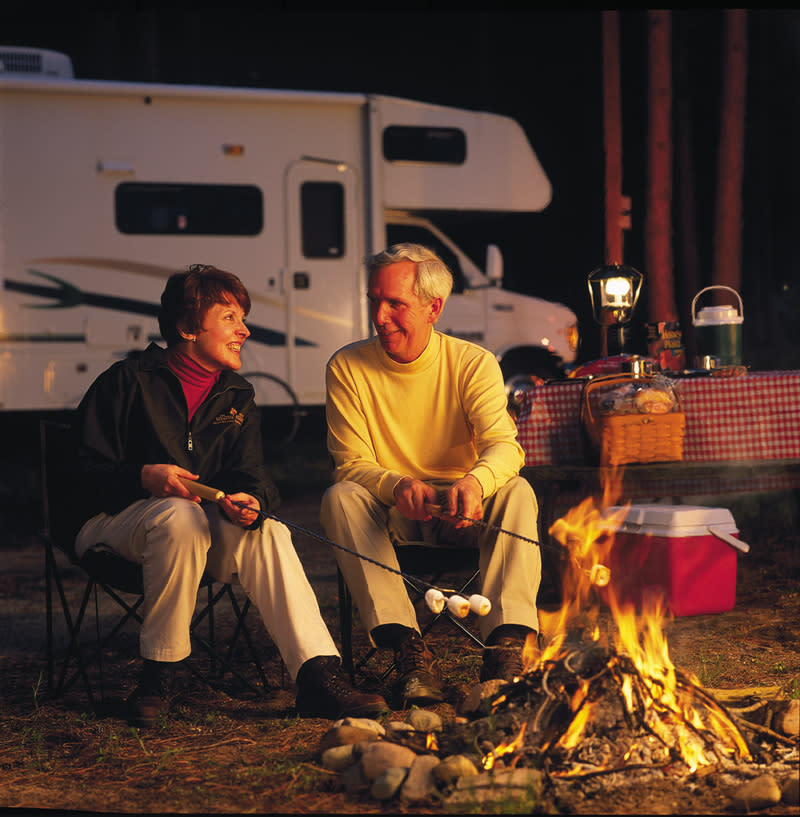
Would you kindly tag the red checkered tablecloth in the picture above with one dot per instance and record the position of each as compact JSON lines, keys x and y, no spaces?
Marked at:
{"x":754,"y":417}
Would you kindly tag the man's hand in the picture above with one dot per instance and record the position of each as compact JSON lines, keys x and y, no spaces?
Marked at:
{"x":464,"y":498}
{"x":412,"y":495}
{"x":162,"y":480}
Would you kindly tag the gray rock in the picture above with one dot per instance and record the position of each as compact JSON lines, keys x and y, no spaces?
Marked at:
{"x":339,"y":757}
{"x":366,"y":724}
{"x":343,"y":734}
{"x":420,"y":782}
{"x":352,"y":778}
{"x":398,"y":727}
{"x":423,"y":720}
{"x":385,"y":787}
{"x":760,"y":792}
{"x":453,"y":768}
{"x":787,"y":720}
{"x":790,"y":791}
{"x":379,"y":756}
{"x":503,"y":779}
{"x":521,"y":786}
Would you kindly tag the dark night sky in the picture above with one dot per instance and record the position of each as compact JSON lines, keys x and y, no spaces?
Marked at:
{"x":542,"y":68}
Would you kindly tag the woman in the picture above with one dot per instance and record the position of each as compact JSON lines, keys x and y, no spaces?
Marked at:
{"x":164,"y":415}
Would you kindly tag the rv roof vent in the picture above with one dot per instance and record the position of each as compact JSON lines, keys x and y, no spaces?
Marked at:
{"x":14,"y":60}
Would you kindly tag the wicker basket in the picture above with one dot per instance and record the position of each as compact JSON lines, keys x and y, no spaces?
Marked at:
{"x":617,"y":439}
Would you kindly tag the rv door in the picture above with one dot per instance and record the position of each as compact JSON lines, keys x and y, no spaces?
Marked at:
{"x":324,"y":292}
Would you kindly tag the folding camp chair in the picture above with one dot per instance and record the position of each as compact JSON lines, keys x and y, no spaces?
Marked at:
{"x":120,"y":580}
{"x":430,"y":564}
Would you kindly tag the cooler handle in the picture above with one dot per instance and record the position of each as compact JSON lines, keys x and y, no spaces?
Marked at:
{"x":717,"y":286}
{"x":731,"y":540}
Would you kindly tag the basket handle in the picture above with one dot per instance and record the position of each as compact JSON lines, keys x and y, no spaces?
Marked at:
{"x":586,"y":415}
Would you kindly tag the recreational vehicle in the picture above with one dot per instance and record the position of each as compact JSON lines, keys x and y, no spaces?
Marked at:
{"x":107,"y":187}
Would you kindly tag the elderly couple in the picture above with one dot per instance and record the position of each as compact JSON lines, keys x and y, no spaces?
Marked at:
{"x":414,"y":417}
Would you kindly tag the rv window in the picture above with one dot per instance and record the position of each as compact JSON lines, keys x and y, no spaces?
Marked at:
{"x":401,"y":233}
{"x":403,"y":143}
{"x":189,"y":209}
{"x":322,"y":206}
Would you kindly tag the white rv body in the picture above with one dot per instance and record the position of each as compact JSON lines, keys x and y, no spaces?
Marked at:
{"x":106,"y":188}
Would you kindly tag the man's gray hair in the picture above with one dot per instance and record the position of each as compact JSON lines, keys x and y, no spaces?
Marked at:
{"x":433,"y":278}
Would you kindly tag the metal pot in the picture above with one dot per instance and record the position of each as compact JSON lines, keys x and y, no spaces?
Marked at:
{"x":638,"y":366}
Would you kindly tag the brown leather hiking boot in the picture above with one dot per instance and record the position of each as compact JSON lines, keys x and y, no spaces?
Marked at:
{"x":325,"y":691}
{"x":503,"y":659}
{"x":420,"y":681}
{"x":152,"y":696}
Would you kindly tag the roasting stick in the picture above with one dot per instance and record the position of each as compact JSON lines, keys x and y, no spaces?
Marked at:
{"x":598,"y":574}
{"x":435,"y":597}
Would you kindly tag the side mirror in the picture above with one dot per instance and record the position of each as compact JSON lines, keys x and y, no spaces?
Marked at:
{"x":494,"y":264}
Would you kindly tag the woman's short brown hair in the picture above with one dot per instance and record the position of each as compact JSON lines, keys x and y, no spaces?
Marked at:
{"x":190,"y":294}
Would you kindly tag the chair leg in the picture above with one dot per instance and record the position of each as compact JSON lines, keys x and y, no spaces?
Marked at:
{"x":131,"y":612}
{"x":241,"y":627}
{"x":210,"y":646}
{"x":346,"y":625}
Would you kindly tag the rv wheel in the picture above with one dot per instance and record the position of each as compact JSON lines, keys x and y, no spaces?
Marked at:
{"x":279,"y":407}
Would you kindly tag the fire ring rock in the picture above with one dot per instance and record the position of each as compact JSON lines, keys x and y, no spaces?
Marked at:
{"x":760,"y":792}
{"x":379,"y":756}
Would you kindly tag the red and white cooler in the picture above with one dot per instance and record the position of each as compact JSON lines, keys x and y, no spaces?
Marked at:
{"x":685,"y":553}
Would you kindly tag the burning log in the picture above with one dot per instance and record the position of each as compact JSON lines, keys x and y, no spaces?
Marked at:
{"x":593,"y":711}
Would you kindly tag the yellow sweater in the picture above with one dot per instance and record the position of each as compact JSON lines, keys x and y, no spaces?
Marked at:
{"x":436,"y":419}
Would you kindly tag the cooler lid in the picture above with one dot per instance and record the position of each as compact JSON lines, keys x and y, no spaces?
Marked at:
{"x":715,"y":315}
{"x":675,"y":520}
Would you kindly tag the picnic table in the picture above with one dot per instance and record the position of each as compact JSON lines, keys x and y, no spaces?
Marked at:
{"x":742,"y":436}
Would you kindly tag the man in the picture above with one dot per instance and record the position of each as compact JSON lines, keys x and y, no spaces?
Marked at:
{"x":416,"y":417}
{"x":164,"y":415}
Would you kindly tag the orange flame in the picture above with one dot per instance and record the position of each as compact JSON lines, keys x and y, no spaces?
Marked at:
{"x":504,"y":749}
{"x":588,"y":534}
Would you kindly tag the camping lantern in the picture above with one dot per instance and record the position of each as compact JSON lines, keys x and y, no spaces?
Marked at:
{"x":614,"y":292}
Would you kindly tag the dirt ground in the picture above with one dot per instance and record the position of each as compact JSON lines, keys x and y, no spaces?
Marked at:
{"x":222,"y":749}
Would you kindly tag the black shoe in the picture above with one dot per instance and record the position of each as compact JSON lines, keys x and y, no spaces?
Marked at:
{"x":420,"y":681}
{"x":325,"y":691}
{"x":151,"y":698}
{"x":503,"y":659}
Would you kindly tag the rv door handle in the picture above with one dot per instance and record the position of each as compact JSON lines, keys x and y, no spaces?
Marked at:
{"x":301,"y":280}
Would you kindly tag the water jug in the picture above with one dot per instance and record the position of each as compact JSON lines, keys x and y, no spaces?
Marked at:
{"x":718,"y":329}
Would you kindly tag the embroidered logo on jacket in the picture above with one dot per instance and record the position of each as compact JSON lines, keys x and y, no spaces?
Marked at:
{"x":232,"y":416}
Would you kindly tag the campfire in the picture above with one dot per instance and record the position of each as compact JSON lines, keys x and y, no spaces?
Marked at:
{"x":595,"y":702}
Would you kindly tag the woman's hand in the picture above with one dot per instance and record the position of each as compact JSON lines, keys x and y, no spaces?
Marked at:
{"x":162,"y":480}
{"x":241,"y":516}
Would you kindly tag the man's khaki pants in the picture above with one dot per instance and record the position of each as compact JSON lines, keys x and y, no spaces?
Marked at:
{"x":511,"y":569}
{"x":175,"y":540}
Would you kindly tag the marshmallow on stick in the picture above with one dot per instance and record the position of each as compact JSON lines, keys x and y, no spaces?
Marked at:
{"x":435,"y":600}
{"x":458,"y":606}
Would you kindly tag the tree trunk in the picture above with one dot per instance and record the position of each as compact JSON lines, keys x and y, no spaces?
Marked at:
{"x":612,"y":132}
{"x":688,"y":280}
{"x":727,"y":268}
{"x":658,"y":228}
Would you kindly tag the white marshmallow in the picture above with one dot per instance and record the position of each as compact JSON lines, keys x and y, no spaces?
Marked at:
{"x":435,"y":600}
{"x":479,"y":605}
{"x":599,"y":575}
{"x":458,"y":606}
